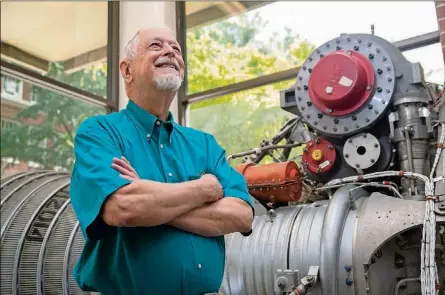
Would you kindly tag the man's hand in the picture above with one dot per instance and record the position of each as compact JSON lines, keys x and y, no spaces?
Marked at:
{"x":218,"y":216}
{"x":125,"y":169}
{"x":209,"y":182}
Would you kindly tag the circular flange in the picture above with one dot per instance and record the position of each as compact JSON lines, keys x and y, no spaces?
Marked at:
{"x":372,"y":109}
{"x":319,"y":156}
{"x":361,"y":151}
{"x":340,"y":82}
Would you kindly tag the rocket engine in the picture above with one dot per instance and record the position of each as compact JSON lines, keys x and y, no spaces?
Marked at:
{"x":364,"y":211}
{"x":361,"y":212}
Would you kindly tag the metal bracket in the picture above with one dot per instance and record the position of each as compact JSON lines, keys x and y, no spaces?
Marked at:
{"x":392,"y":117}
{"x":440,"y":206}
{"x":308,"y":282}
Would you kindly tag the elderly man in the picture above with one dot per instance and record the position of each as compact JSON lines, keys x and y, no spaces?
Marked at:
{"x":154,"y":199}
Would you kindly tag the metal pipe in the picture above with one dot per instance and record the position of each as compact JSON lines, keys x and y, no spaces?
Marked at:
{"x":403,"y":282}
{"x":262,"y":149}
{"x":440,"y":165}
{"x":332,"y":231}
{"x":418,"y":41}
{"x":391,"y":187}
{"x":410,"y":156}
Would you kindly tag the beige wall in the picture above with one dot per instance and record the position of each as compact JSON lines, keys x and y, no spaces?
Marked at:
{"x":136,"y":15}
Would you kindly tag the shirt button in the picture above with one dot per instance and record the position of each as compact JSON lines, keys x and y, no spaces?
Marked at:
{"x":158,"y":123}
{"x":199,"y":265}
{"x":148,"y":135}
{"x":162,"y":146}
{"x":170,"y":174}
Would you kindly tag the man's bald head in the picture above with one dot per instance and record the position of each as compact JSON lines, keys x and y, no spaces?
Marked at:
{"x":153,"y":58}
{"x":131,"y":46}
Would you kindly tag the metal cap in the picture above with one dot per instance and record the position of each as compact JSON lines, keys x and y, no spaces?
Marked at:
{"x":341,"y":82}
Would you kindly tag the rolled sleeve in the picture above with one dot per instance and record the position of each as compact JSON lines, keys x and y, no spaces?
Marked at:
{"x":233,"y":183}
{"x":93,"y":179}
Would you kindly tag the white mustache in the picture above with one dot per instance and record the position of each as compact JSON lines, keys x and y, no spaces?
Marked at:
{"x":166,"y":60}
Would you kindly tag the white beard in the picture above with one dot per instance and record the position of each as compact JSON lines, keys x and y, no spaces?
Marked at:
{"x":167,"y":82}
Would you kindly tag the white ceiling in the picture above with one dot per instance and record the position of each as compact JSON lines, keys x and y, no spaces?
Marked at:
{"x":54,"y":31}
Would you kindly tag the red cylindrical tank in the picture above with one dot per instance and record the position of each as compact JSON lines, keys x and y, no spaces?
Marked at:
{"x":275,"y":183}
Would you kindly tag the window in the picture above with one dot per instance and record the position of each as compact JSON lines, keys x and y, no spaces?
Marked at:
{"x":237,"y":51}
{"x":246,"y":41}
{"x":65,"y":41}
{"x":44,"y":137}
{"x":7,"y":123}
{"x":11,"y":88}
{"x":57,"y":59}
{"x":242,"y":120}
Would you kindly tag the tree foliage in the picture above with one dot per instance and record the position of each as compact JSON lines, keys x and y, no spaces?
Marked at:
{"x":46,"y":129}
{"x":229,"y":52}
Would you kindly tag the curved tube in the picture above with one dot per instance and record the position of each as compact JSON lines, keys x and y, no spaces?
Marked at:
{"x":332,"y":231}
{"x":404,"y":281}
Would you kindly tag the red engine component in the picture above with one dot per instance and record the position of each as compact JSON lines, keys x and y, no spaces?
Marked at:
{"x":341,"y":82}
{"x":319,"y":156}
{"x":276,"y":182}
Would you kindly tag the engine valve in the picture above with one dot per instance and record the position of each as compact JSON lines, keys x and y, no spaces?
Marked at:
{"x":319,"y":156}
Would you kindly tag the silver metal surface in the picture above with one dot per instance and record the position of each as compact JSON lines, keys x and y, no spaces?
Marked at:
{"x":286,"y":280}
{"x":35,"y":225}
{"x":381,"y":218}
{"x":332,"y":232}
{"x":313,"y":235}
{"x":410,"y":129}
{"x":418,"y":41}
{"x":361,"y":151}
{"x":245,"y":272}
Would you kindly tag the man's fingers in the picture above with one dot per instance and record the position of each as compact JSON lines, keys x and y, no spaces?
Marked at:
{"x":122,"y":170}
{"x":127,"y":177}
{"x":123,"y":164}
{"x":125,"y":159}
{"x":127,"y":165}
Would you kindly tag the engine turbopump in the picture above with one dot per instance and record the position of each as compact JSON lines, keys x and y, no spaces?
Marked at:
{"x":369,"y":117}
{"x":363,"y":97}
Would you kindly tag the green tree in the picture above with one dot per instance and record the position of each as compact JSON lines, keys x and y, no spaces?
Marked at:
{"x":46,"y":129}
{"x":228,"y":52}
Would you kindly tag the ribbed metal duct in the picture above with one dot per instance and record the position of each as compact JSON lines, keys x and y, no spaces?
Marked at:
{"x":41,"y":241}
{"x":40,"y":236}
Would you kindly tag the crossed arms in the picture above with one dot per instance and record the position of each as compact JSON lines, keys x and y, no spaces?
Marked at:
{"x":196,"y":206}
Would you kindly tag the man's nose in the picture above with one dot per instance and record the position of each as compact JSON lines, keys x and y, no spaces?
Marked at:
{"x":168,"y":51}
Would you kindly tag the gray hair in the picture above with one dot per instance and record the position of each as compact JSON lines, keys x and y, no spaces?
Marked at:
{"x":130,"y":47}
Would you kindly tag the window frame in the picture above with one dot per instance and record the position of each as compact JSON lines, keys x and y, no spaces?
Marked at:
{"x":111,"y":102}
{"x":184,"y":100}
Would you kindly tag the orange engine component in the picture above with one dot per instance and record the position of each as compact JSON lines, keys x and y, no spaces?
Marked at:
{"x":275,"y":183}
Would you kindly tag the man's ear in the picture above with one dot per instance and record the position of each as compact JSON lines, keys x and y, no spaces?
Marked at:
{"x":124,"y":68}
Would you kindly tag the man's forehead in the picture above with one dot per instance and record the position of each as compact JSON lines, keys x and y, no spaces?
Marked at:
{"x":164,"y":34}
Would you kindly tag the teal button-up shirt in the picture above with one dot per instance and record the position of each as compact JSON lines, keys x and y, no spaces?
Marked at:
{"x":145,"y":260}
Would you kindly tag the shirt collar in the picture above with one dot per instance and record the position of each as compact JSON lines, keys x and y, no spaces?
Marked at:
{"x":146,"y":120}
